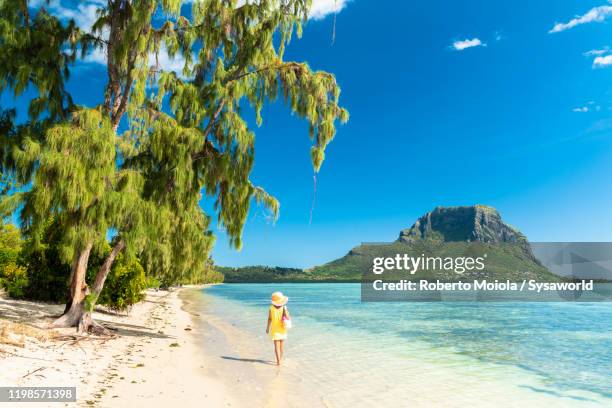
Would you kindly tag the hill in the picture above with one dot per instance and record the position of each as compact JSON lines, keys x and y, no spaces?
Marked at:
{"x":445,"y":232}
{"x":260,"y":273}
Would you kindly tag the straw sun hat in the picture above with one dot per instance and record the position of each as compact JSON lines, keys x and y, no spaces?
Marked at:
{"x":278,"y":299}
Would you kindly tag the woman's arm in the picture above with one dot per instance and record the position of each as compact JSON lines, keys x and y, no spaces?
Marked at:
{"x":269,"y":322}
{"x":287,"y":313}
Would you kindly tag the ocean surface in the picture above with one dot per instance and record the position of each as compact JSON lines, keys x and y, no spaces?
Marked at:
{"x":342,"y":352}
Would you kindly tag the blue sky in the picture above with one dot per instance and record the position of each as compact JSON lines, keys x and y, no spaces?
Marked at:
{"x":431,"y":125}
{"x":452,"y":103}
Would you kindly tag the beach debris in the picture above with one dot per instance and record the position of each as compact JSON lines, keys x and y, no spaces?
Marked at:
{"x":12,"y":340}
{"x":34,"y":371}
{"x":15,"y":334}
{"x":174,"y":344}
{"x":75,"y":338}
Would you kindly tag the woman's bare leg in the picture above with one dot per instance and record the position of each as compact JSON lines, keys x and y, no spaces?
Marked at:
{"x":277,"y":351}
{"x":282,"y":349}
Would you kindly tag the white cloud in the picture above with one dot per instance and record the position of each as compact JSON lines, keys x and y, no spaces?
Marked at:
{"x":602,"y":61}
{"x":166,"y":62}
{"x":162,"y":60}
{"x":97,"y":56}
{"x":589,"y":107}
{"x":321,"y":8}
{"x":596,"y":52}
{"x":463,"y":44}
{"x":596,"y":14}
{"x":85,"y":15}
{"x":603,"y":57}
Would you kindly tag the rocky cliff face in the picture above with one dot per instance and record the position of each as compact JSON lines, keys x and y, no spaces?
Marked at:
{"x":478,"y":223}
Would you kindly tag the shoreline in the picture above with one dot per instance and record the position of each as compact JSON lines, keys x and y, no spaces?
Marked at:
{"x":151,"y":360}
{"x":246,"y":363}
{"x":320,"y":366}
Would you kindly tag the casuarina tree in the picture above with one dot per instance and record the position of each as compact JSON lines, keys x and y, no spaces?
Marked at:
{"x":140,"y":163}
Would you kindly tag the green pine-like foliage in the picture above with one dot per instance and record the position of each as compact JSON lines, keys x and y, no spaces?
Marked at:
{"x":13,"y":275}
{"x":138,"y":165}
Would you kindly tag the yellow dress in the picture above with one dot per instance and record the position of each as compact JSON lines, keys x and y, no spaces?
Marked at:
{"x":277,"y":330}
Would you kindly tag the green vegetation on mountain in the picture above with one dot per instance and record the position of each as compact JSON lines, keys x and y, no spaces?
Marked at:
{"x":260,"y":273}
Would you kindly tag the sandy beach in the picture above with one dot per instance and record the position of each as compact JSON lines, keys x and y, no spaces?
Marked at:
{"x":151,"y":361}
{"x":193,"y":349}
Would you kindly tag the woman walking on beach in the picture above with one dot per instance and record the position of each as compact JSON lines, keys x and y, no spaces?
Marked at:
{"x":279,"y":320}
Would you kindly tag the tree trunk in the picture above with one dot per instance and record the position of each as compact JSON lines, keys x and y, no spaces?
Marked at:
{"x":76,"y":313}
{"x":78,"y":291}
{"x":106,"y":267}
{"x":69,"y":291}
{"x":87,"y":324}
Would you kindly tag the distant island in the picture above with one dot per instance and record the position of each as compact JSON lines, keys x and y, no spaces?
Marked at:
{"x":445,"y":231}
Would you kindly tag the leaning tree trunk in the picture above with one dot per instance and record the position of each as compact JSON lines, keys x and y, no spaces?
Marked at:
{"x":69,"y":290}
{"x":78,"y":291}
{"x":78,"y":315}
{"x":97,"y":288}
{"x":106,"y":267}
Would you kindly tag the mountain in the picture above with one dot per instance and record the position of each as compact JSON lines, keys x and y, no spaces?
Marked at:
{"x":477,"y":223}
{"x":445,"y":232}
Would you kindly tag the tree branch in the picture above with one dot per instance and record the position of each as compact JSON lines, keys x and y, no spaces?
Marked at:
{"x":213,"y":118}
{"x":125,"y":94}
{"x":106,"y":267}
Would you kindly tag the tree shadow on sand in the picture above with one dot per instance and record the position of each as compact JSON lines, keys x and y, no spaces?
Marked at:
{"x":26,"y":311}
{"x":132,"y":330}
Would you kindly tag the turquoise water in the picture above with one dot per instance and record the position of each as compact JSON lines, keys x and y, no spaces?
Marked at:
{"x":565,"y":349}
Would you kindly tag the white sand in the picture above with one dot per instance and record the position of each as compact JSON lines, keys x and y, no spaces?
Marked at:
{"x":152,"y":362}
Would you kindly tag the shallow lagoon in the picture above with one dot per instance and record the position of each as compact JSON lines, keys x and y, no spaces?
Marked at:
{"x":342,"y":351}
